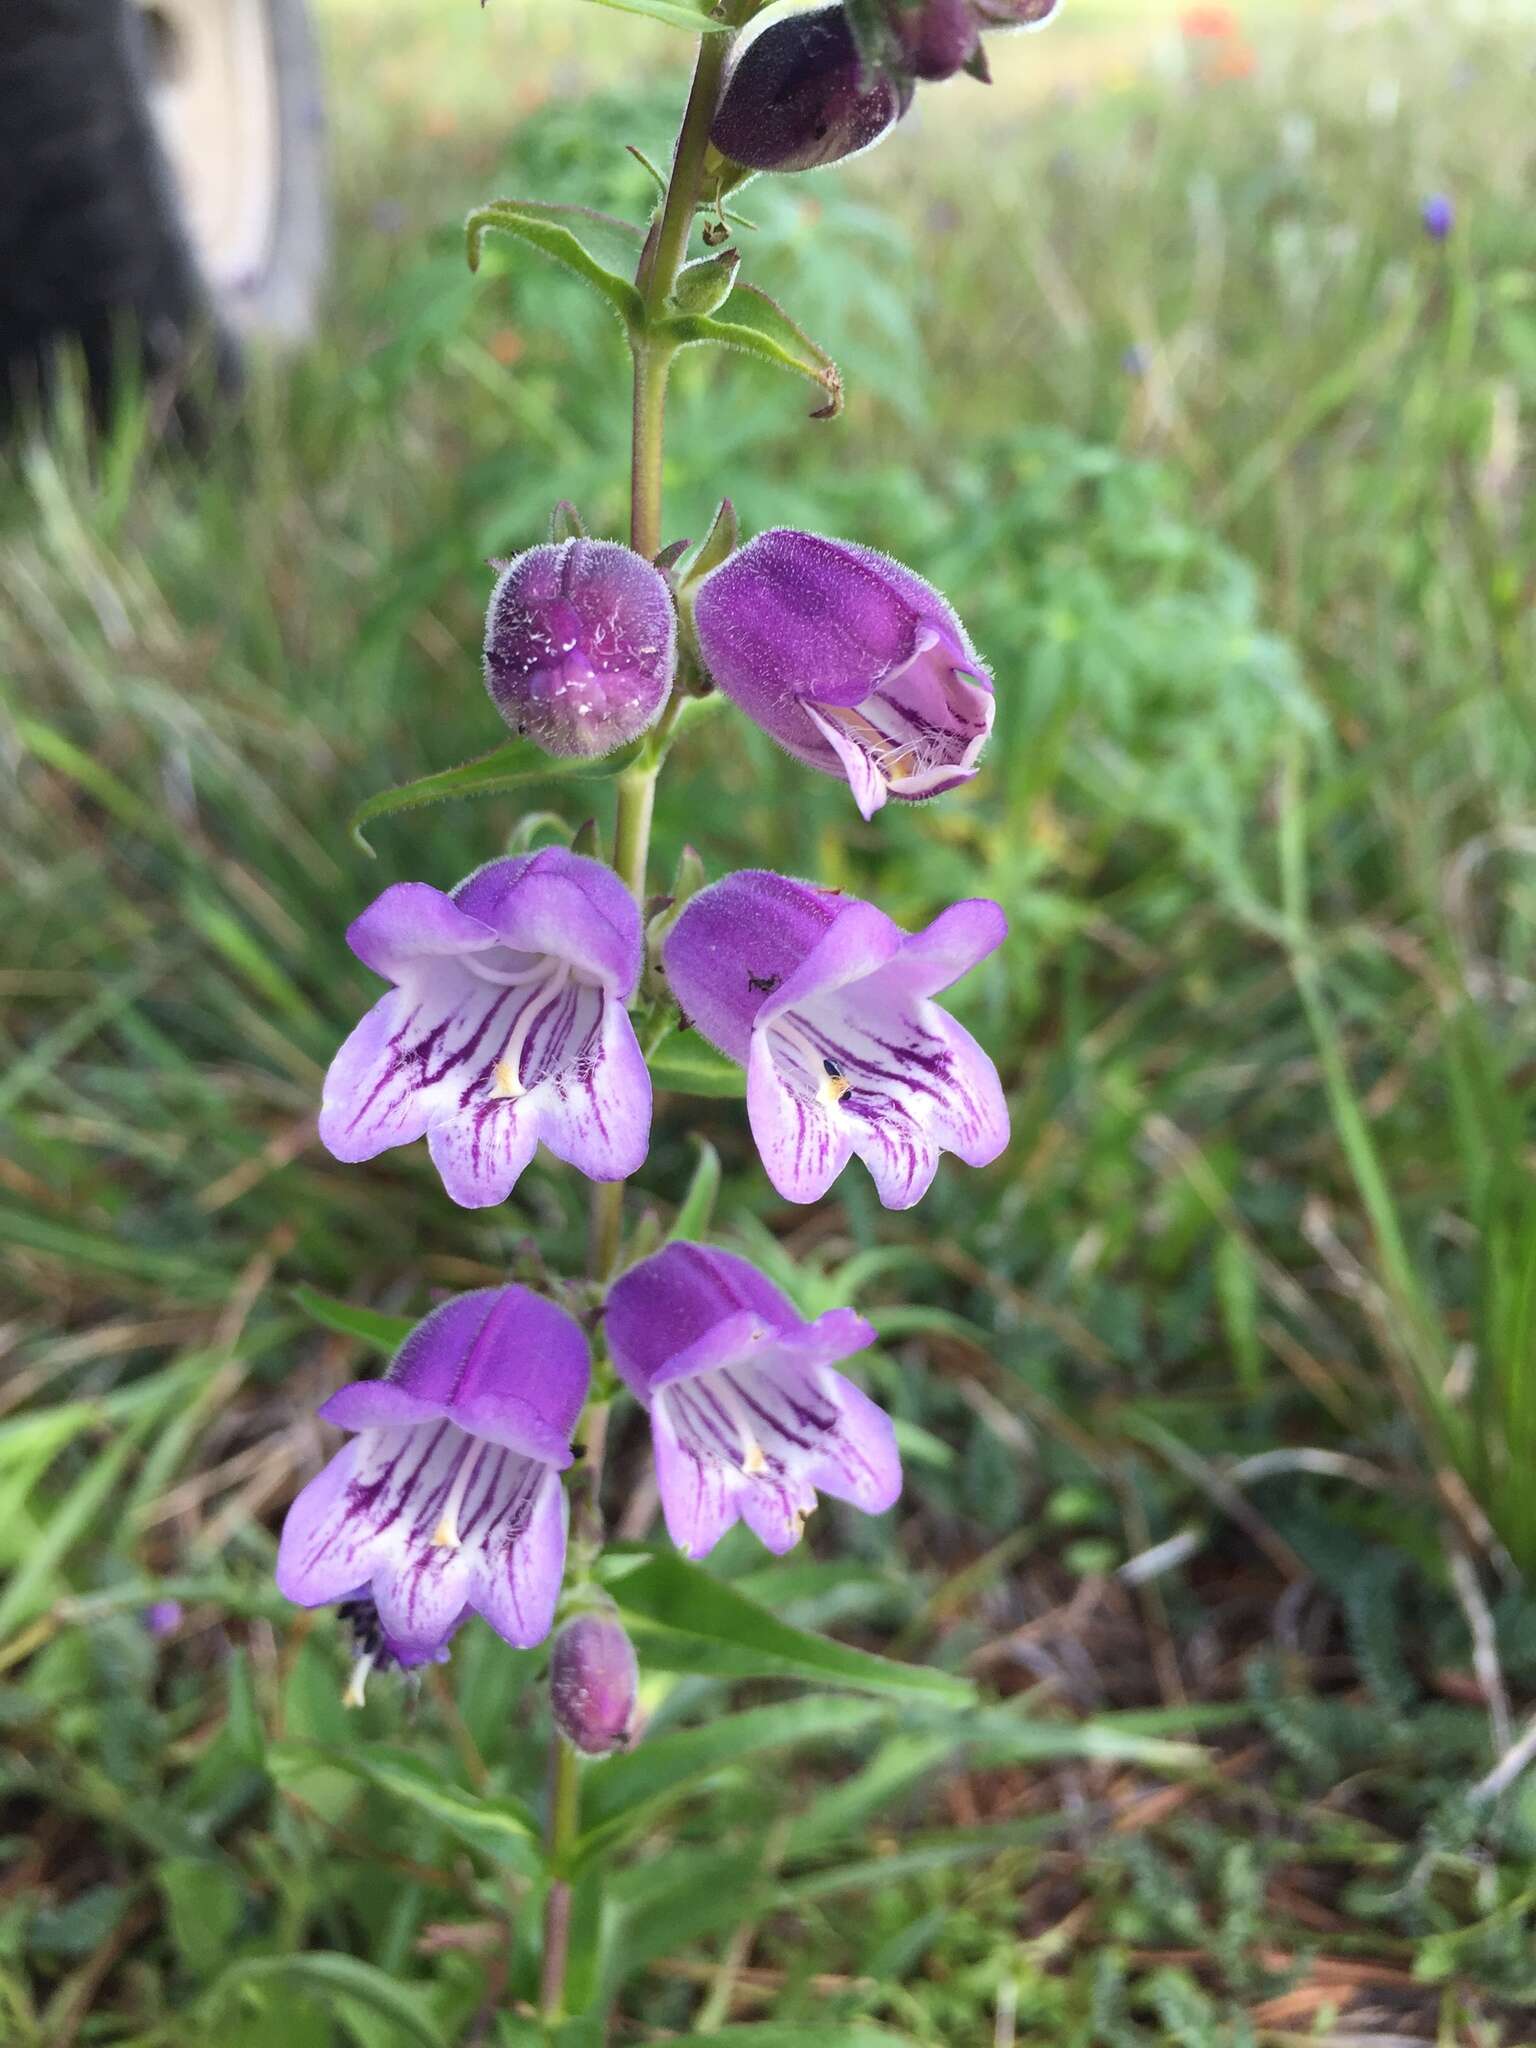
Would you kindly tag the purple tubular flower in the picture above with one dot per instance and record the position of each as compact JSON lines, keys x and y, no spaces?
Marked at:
{"x":799,"y":96}
{"x":448,"y":1497}
{"x":580,"y":645}
{"x":506,"y":1025}
{"x":593,"y":1681}
{"x":1438,"y":214}
{"x":848,"y":660}
{"x":748,"y":1418}
{"x":827,"y":1004}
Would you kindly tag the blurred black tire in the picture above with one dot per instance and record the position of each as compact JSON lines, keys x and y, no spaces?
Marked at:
{"x":235,"y":89}
{"x":162,"y":188}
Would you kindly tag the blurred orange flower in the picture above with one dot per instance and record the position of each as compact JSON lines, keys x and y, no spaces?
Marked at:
{"x":1208,"y":24}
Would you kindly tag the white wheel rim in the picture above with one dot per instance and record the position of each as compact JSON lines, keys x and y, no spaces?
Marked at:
{"x":214,"y":97}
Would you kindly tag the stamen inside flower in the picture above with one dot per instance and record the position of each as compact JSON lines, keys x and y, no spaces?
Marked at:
{"x":828,"y":1082}
{"x":507,"y":1075}
{"x":357,"y":1681}
{"x":919,"y":730}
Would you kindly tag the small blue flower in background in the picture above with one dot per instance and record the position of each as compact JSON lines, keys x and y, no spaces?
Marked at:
{"x":162,"y":1618}
{"x":1438,"y":214}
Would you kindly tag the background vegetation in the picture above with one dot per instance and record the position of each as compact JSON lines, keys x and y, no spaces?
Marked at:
{"x":1216,"y":1393}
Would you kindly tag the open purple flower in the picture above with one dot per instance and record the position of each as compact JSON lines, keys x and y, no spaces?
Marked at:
{"x":855,"y":665}
{"x":748,"y":1418}
{"x":828,"y":1005}
{"x":506,"y":1025}
{"x":580,"y":645}
{"x":448,"y":1497}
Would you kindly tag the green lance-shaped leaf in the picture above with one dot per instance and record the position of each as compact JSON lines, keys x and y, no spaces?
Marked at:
{"x":513,"y":766}
{"x":675,"y":13}
{"x":600,"y":249}
{"x":500,"y":1828}
{"x":620,"y":1787}
{"x":674,"y":1595}
{"x":687,"y":1065}
{"x":328,"y":1977}
{"x":698,"y":1205}
{"x":368,"y":1325}
{"x":717,"y":546}
{"x":751,"y":321}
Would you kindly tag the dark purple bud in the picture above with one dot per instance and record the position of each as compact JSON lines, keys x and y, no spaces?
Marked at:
{"x":798,"y":95}
{"x":580,"y":645}
{"x":1438,"y":214}
{"x":1016,"y":13}
{"x":937,"y":37}
{"x":593,"y":1680}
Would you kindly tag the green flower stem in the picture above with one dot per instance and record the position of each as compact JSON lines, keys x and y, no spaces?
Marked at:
{"x":560,"y":1839}
{"x":660,"y":262}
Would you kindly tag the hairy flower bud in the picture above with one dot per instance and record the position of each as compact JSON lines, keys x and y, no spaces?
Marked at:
{"x":799,"y":95}
{"x":1016,"y":13}
{"x":593,"y":1680}
{"x":937,"y":37}
{"x":580,"y":645}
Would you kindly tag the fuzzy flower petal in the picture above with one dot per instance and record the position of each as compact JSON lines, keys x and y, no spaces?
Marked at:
{"x":748,"y":1417}
{"x":506,"y":1027}
{"x":828,"y":1005}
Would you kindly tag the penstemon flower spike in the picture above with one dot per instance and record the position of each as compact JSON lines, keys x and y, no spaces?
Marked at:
{"x":507,"y":1023}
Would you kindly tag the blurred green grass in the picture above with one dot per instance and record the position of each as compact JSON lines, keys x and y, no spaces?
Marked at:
{"x":1227,"y":466}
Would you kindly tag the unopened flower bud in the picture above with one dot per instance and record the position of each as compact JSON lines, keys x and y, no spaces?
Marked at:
{"x":937,"y":37}
{"x":580,"y":645}
{"x":799,"y":95}
{"x":593,"y":1680}
{"x":704,"y":287}
{"x":1016,"y":13}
